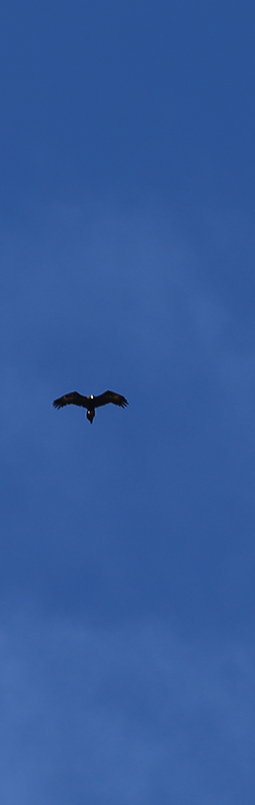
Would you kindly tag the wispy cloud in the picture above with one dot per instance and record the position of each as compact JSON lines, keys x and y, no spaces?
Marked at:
{"x":121,"y":715}
{"x":142,"y":516}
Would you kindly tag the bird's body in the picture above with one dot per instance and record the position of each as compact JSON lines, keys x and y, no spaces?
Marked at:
{"x":92,"y":402}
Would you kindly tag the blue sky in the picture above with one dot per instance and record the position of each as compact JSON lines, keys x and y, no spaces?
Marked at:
{"x":127,"y":548}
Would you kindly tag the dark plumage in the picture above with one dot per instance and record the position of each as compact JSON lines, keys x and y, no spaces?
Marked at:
{"x":74,"y":398}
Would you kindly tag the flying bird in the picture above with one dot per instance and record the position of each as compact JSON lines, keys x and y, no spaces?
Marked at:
{"x":74,"y":398}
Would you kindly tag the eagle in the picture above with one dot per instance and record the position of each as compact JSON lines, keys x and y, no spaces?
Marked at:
{"x":92,"y":402}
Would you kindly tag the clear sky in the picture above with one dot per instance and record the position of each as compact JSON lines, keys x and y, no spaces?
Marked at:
{"x":127,"y":547}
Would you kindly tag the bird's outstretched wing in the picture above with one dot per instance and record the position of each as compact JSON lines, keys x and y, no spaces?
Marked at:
{"x":110,"y":397}
{"x":74,"y":398}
